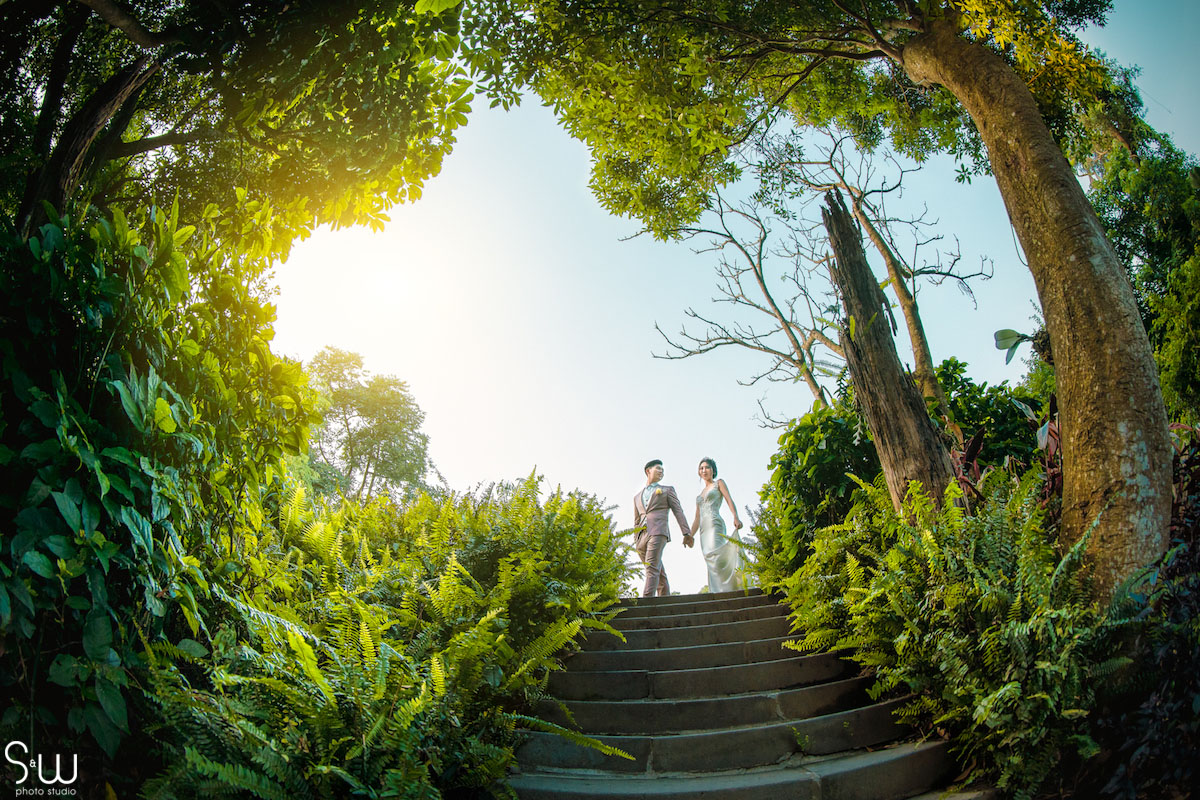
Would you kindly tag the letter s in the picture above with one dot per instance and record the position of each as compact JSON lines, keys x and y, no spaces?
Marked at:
{"x":20,"y":764}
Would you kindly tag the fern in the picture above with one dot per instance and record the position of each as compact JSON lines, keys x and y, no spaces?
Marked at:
{"x":236,"y":776}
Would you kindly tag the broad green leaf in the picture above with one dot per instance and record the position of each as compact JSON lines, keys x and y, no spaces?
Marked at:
{"x":103,"y":731}
{"x":64,"y":670}
{"x":39,"y":563}
{"x":435,"y":6}
{"x":113,"y":702}
{"x":192,"y":648}
{"x":162,"y":416}
{"x":97,"y":635}
{"x":69,"y":511}
{"x":1008,"y":338}
{"x":132,"y":409}
{"x":139,"y":526}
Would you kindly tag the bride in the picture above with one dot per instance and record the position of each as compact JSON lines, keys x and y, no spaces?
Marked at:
{"x":722,"y":551}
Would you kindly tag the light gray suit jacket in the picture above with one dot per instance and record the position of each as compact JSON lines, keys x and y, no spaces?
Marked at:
{"x":653,"y":515}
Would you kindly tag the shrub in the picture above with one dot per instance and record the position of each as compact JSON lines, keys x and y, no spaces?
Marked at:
{"x":980,"y":618}
{"x":141,"y":420}
{"x":810,"y":486}
{"x":423,"y":637}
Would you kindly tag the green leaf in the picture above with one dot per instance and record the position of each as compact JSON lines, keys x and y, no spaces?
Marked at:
{"x":189,"y":347}
{"x":1008,"y":338}
{"x":39,"y":564}
{"x":162,"y":416}
{"x":435,"y":6}
{"x":308,"y":661}
{"x":97,"y":636}
{"x":139,"y":526}
{"x":113,"y":702}
{"x":132,"y":409}
{"x":192,"y":648}
{"x":64,"y":670}
{"x":69,"y":511}
{"x":102,"y":730}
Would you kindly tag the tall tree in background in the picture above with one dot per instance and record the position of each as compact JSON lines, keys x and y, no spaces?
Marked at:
{"x":326,"y":112}
{"x":663,"y":91}
{"x":369,"y":442}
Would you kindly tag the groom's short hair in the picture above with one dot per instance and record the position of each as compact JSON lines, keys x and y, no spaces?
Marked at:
{"x":655,"y":463}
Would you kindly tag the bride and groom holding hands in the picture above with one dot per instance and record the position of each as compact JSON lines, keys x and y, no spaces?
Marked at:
{"x":652,"y":508}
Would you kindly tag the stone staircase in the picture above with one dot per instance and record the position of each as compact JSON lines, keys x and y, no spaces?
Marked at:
{"x":710,"y":705}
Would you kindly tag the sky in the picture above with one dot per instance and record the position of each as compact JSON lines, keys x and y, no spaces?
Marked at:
{"x":522,"y":315}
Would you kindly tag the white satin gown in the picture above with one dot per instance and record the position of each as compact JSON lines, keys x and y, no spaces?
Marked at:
{"x":722,"y":551}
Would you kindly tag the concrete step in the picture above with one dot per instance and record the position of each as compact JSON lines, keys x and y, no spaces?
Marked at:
{"x":893,"y":773}
{"x":724,"y":749}
{"x":688,"y":604}
{"x":688,"y":598}
{"x":623,"y":622}
{"x":771,"y":627}
{"x":705,"y":655}
{"x":784,"y":673}
{"x":674,"y":716}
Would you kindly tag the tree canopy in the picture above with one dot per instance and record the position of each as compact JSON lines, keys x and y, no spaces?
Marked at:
{"x":322,"y":112}
{"x":665,"y":93}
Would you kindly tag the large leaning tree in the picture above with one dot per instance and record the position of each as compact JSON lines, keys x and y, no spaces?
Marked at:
{"x":664,"y":93}
{"x":322,"y":111}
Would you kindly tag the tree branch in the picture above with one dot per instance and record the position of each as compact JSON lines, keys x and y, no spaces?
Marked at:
{"x":117,"y":17}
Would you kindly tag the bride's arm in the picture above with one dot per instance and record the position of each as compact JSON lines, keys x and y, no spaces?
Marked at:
{"x":737,"y":523}
{"x":696,"y":519}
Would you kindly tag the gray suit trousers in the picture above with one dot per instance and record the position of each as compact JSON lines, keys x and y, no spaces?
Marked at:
{"x":650,"y":549}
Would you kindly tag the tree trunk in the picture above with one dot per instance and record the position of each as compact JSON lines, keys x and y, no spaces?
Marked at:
{"x":923,"y":369}
{"x":55,"y":181}
{"x":908,"y":444}
{"x":1116,"y":449}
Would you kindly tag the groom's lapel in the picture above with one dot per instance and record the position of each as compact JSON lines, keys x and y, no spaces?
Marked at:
{"x":654,"y":495}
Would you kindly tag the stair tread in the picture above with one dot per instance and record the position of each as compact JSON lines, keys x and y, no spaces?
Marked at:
{"x":673,"y":715}
{"x":729,"y":747}
{"x":813,"y":773}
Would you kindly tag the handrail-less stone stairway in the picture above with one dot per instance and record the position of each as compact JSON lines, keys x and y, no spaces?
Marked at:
{"x":710,"y":705}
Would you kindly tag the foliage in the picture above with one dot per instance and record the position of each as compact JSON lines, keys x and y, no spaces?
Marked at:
{"x":325,"y":112}
{"x":1150,"y":206}
{"x":144,"y":416}
{"x":369,"y":441}
{"x":665,"y":95}
{"x":385,"y":651}
{"x":810,"y":486}
{"x":813,"y":483}
{"x":980,"y":618}
{"x":978,"y":407}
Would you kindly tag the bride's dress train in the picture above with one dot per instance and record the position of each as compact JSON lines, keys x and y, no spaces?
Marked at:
{"x":722,"y":551}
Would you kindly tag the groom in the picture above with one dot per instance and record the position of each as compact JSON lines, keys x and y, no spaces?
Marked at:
{"x":650,"y":514}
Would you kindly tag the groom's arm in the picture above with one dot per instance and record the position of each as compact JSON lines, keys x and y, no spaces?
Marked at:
{"x":677,"y":509}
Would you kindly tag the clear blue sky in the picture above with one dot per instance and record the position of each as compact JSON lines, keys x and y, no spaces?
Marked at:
{"x":524,"y":325}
